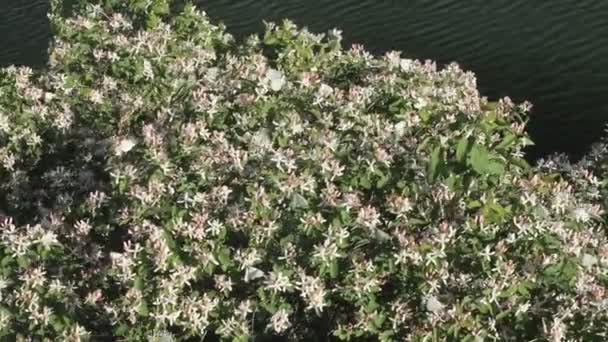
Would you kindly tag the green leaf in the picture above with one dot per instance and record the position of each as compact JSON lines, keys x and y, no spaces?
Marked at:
{"x":383,"y":179}
{"x":365,"y":182}
{"x":507,"y":141}
{"x":523,"y":289}
{"x":7,"y":260}
{"x":270,"y":39}
{"x":503,"y":315}
{"x":433,"y":167}
{"x":474,"y":204}
{"x":345,"y":217}
{"x":333,"y":269}
{"x":24,"y":261}
{"x":282,"y":141}
{"x":386,"y":336}
{"x":139,"y":283}
{"x":396,"y":106}
{"x":522,"y":163}
{"x":298,"y":201}
{"x":462,"y":149}
{"x":122,"y":330}
{"x":379,"y":320}
{"x":478,"y":159}
{"x":425,"y":115}
{"x":57,"y":323}
{"x":169,"y":240}
{"x":223,"y":257}
{"x":495,"y":167}
{"x":485,"y":162}
{"x":143,"y":309}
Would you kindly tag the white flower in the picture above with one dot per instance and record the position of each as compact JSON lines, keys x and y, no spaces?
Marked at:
{"x":278,"y":282}
{"x":313,"y":292}
{"x":96,"y":96}
{"x":223,"y":283}
{"x":522,"y":309}
{"x":124,"y":146}
{"x":581,"y":215}
{"x":399,"y":128}
{"x":406,"y":64}
{"x":5,"y":319}
{"x":421,"y":102}
{"x":280,"y":321}
{"x":4,"y":123}
{"x":48,"y":239}
{"x":148,"y":70}
{"x":368,"y":217}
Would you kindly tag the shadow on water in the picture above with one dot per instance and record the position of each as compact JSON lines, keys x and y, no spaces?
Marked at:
{"x":554,"y":55}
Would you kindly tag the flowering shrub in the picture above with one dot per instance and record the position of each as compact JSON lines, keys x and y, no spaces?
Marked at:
{"x":160,"y":181}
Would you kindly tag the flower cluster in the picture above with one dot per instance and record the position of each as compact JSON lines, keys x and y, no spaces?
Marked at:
{"x":160,"y":181}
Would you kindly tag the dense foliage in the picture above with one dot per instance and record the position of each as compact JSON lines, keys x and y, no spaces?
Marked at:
{"x":160,"y":181}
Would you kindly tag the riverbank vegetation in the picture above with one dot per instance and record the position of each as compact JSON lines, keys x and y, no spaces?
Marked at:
{"x":161,"y":181}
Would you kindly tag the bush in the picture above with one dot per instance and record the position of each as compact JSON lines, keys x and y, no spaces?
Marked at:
{"x":161,"y":181}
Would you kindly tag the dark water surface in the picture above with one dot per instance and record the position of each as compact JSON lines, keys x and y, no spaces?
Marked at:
{"x":553,"y":53}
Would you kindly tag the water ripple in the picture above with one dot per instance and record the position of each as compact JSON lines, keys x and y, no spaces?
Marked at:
{"x":554,"y":54}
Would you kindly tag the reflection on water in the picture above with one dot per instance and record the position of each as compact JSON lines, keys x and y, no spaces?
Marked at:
{"x":551,"y":53}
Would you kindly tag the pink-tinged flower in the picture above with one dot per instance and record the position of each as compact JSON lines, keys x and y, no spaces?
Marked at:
{"x":368,"y":217}
{"x":280,"y":321}
{"x":223,"y":283}
{"x":278,"y":282}
{"x":313,"y":292}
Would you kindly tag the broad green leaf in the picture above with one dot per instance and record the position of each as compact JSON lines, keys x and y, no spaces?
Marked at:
{"x":122,"y":330}
{"x":474,"y":204}
{"x":333,"y":269}
{"x":522,"y":163}
{"x":57,"y":323}
{"x":461,"y":149}
{"x":503,"y":315}
{"x":478,"y":158}
{"x":143,"y":309}
{"x":298,"y":202}
{"x":496,"y":167}
{"x":223,"y":256}
{"x":364,"y":181}
{"x":507,"y":141}
{"x":433,"y":167}
{"x":139,"y":283}
{"x":425,"y":115}
{"x":485,"y":162}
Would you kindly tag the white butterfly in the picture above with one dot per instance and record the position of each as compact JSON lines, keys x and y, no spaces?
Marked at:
{"x":252,"y":273}
{"x":276,"y":78}
{"x":124,"y":146}
{"x":434,"y":305}
{"x":589,"y":260}
{"x":212,"y":73}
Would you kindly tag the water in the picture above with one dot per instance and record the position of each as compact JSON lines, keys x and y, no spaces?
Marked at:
{"x":24,"y":32}
{"x":554,"y":54}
